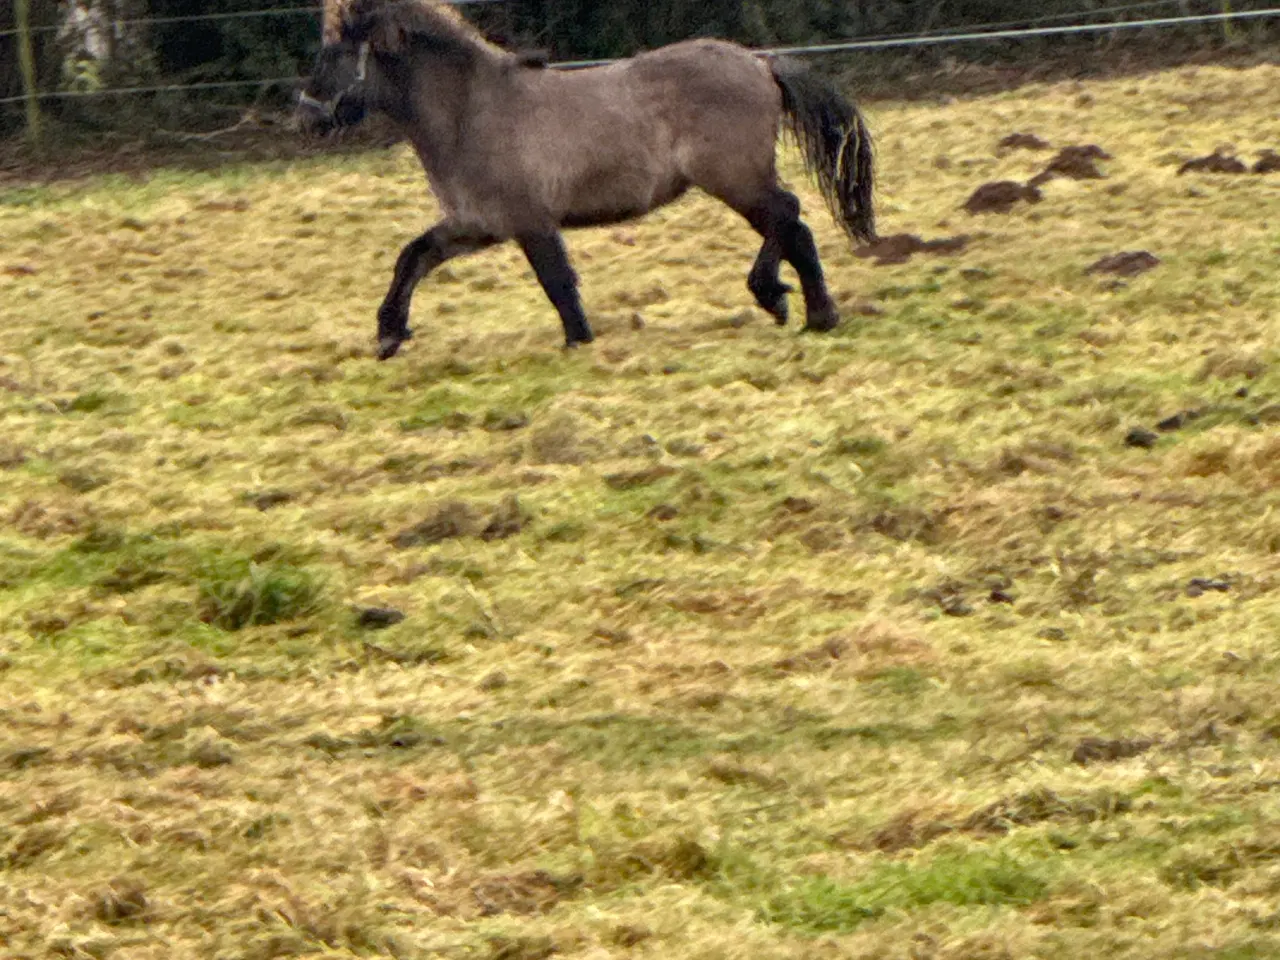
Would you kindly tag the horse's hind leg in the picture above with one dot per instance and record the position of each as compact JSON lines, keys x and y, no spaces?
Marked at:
{"x":765,"y":284}
{"x":419,"y":257}
{"x":550,"y":262}
{"x":776,"y":217}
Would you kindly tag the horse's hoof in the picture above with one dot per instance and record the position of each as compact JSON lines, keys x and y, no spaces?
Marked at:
{"x":388,"y":347}
{"x":823,"y":323}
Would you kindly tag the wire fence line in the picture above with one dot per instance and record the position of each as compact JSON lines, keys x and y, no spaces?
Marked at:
{"x":933,"y":38}
{"x":314,"y":9}
{"x":870,"y":43}
{"x":233,"y":15}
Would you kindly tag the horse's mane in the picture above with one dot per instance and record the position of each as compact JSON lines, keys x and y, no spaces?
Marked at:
{"x":393,"y":25}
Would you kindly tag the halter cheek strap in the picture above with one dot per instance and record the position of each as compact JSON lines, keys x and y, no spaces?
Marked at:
{"x":362,"y":74}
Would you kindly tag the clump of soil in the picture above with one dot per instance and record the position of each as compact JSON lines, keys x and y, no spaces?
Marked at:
{"x":1074,"y":163}
{"x":507,"y":520}
{"x":1001,"y":196}
{"x":523,"y":894}
{"x":1127,"y":264}
{"x":1024,"y":141}
{"x":1217,"y":162}
{"x":825,"y":655}
{"x":455,"y":519}
{"x":1268,"y":162}
{"x":1097,"y":750}
{"x":900,"y":247}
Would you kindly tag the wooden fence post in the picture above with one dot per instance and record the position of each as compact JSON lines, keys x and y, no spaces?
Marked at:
{"x":1228,"y":28}
{"x":27,"y":61}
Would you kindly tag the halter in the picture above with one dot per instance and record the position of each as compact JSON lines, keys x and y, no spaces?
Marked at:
{"x":330,"y":108}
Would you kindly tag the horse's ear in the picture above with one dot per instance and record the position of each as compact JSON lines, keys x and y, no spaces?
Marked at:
{"x":387,"y":35}
{"x":368,"y":22}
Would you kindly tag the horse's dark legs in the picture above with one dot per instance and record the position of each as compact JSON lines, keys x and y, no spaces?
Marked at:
{"x":764,"y":283}
{"x":419,"y":257}
{"x":550,"y":263}
{"x":777,"y":219}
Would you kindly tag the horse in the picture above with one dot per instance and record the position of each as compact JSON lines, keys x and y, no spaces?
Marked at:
{"x":515,"y":151}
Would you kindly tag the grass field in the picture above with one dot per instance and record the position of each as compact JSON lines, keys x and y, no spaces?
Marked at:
{"x":720,"y":641}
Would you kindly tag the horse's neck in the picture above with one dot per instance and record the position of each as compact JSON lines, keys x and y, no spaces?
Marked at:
{"x":437,"y":121}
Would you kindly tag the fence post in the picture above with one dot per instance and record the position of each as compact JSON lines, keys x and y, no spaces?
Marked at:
{"x":27,"y":61}
{"x":1228,"y":28}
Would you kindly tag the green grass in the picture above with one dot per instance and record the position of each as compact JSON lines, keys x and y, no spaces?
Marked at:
{"x":718,"y":640}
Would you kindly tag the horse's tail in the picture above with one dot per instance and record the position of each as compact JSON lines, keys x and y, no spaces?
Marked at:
{"x":836,"y":144}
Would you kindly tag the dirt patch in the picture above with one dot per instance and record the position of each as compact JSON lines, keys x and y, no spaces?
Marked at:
{"x":1140,"y":438}
{"x":123,"y":901}
{"x":1127,"y":264}
{"x":521,"y":948}
{"x":638,"y":478}
{"x":1024,"y":141}
{"x":455,"y":519}
{"x":1268,"y":162}
{"x":1179,"y":420}
{"x":911,"y":830}
{"x":900,"y":247}
{"x":1073,"y":163}
{"x":816,"y":659}
{"x":450,"y":521}
{"x":378,"y":618}
{"x":506,"y":521}
{"x":524,"y":894}
{"x":1001,"y":196}
{"x":949,"y":597}
{"x":735,"y":774}
{"x":1098,"y":750}
{"x":264,"y":500}
{"x":1217,"y":162}
{"x":799,"y":505}
{"x":1199,"y":586}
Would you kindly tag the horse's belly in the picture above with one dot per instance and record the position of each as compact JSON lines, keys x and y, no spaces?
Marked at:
{"x":612,"y":195}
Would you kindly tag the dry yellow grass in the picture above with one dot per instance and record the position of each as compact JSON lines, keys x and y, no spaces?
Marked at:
{"x":735,"y":675}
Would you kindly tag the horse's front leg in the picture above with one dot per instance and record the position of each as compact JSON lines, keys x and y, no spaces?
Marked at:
{"x":419,"y":257}
{"x":546,"y":254}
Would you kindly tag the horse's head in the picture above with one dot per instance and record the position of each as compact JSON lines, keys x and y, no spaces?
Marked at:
{"x":337,"y":95}
{"x":373,"y":47}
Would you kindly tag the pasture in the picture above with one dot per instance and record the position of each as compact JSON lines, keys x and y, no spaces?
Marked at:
{"x":952,"y":634}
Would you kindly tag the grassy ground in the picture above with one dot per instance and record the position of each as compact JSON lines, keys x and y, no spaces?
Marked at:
{"x":719,"y":641}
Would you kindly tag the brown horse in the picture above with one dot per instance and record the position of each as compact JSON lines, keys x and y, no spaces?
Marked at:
{"x":513,"y":150}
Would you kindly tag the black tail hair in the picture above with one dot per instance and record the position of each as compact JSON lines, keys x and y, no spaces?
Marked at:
{"x":836,"y":145}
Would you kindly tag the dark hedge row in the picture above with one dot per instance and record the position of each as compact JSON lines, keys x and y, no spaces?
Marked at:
{"x":260,"y":47}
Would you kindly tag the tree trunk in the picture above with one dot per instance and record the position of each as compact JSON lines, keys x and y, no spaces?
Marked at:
{"x":27,"y":61}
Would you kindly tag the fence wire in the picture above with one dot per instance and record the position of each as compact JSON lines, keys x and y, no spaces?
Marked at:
{"x":227,"y":15}
{"x":978,"y":34}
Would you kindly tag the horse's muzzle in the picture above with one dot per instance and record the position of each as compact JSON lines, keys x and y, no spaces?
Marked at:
{"x":314,"y":117}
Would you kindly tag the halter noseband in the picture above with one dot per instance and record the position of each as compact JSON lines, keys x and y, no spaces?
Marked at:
{"x":330,"y":108}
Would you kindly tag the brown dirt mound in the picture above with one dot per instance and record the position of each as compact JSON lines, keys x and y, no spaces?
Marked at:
{"x":1074,"y":163}
{"x":1268,"y":162}
{"x":1024,"y":141}
{"x":1001,"y":196}
{"x":900,"y":247}
{"x":1096,"y":750}
{"x":1216,"y":162}
{"x":1127,"y":264}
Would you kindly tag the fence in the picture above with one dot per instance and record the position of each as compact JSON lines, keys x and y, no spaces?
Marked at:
{"x":303,"y":36}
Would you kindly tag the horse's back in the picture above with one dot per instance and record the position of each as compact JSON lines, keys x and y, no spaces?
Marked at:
{"x":721,"y":107}
{"x":611,"y":142}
